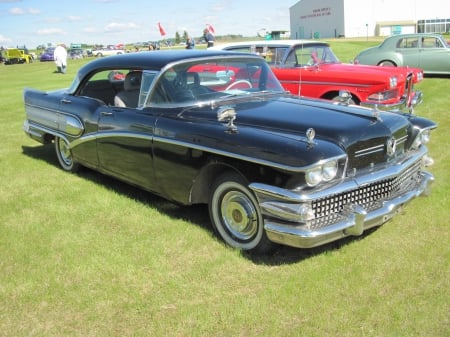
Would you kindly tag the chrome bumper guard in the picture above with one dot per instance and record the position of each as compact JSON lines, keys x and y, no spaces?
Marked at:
{"x":281,"y":226}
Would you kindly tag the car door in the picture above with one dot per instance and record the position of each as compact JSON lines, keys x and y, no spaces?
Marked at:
{"x":409,"y":49}
{"x":124,"y":144}
{"x":433,"y":56}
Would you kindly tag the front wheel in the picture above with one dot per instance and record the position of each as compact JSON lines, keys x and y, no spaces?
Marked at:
{"x":236,"y":216}
{"x":338,"y":99}
{"x":64,"y":155}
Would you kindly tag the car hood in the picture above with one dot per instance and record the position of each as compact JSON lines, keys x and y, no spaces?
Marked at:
{"x":352,"y":128}
{"x":365,"y":73}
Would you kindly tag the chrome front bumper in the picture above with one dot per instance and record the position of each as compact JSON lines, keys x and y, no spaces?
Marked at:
{"x":281,"y":208}
{"x":403,"y":105}
{"x":356,"y":222}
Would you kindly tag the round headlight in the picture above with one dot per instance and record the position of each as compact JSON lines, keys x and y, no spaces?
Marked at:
{"x":313,"y":176}
{"x":393,"y":82}
{"x":421,"y":139}
{"x":329,"y":170}
{"x":425,"y":137}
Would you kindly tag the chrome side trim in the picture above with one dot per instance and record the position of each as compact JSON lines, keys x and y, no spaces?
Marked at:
{"x":358,"y":85}
{"x":165,"y":140}
{"x":107,"y":134}
{"x":54,"y":120}
{"x":38,"y":131}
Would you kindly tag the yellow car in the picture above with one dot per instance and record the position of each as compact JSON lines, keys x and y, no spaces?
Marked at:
{"x":16,"y":56}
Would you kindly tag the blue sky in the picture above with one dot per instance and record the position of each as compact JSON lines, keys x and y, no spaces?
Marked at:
{"x":34,"y":22}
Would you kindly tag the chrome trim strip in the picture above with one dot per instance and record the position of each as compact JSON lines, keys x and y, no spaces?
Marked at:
{"x":31,"y":128}
{"x":369,"y":150}
{"x":108,"y":134}
{"x":328,"y":83}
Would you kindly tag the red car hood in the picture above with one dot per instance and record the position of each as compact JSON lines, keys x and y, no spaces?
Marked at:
{"x":399,"y":71}
{"x":347,"y":70}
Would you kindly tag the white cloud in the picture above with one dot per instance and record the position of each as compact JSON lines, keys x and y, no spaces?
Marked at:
{"x":33,"y":11}
{"x":119,"y":27}
{"x":21,"y":11}
{"x":4,"y":39}
{"x":17,"y":11}
{"x":90,"y":30}
{"x":74,"y":18}
{"x":50,"y":31}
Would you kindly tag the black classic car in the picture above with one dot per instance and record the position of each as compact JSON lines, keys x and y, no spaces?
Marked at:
{"x":216,"y":127}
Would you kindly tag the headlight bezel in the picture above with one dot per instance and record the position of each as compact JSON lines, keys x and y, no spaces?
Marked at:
{"x":393,"y":82}
{"x":422,"y":138}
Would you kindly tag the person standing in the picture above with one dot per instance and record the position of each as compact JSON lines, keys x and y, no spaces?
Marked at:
{"x":209,"y":38}
{"x":190,"y":43}
{"x":60,"y":57}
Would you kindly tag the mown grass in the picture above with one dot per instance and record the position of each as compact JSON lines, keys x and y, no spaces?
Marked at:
{"x":85,"y":255}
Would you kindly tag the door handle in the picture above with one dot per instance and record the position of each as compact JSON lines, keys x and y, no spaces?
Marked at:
{"x":106,"y":113}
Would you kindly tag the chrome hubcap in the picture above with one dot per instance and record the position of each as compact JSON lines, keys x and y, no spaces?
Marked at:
{"x":239,"y":215}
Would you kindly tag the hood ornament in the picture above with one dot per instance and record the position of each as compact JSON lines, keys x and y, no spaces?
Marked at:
{"x":310,"y":135}
{"x":391,"y":146}
{"x":227,"y":114}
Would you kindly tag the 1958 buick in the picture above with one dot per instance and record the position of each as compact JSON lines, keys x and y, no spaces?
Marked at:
{"x":217,"y":128}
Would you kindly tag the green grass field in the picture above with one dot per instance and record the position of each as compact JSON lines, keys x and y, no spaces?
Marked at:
{"x":85,"y":255}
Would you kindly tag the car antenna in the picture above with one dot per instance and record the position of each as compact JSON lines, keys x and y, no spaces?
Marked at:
{"x":299,"y":66}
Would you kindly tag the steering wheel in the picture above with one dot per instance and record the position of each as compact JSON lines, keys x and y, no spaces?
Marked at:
{"x":239,"y":82}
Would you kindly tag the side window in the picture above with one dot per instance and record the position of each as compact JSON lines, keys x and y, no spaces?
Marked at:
{"x":291,"y":60}
{"x":243,"y":49}
{"x":430,"y":42}
{"x":304,"y":56}
{"x":408,"y":43}
{"x":147,"y":80}
{"x":278,"y":55}
{"x":103,"y":86}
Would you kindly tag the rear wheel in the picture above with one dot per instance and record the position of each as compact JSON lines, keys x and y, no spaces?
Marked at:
{"x":236,"y":216}
{"x":386,"y":64}
{"x":64,"y":155}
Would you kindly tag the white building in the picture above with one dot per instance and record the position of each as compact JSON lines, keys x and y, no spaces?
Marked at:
{"x":362,"y":18}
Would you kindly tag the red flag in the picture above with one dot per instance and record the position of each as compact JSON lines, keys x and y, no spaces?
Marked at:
{"x":210,"y":28}
{"x":161,"y":29}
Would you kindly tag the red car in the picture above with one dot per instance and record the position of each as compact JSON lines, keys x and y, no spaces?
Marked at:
{"x":310,"y":68}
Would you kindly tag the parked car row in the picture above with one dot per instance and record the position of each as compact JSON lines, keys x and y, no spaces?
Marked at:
{"x":218,"y":128}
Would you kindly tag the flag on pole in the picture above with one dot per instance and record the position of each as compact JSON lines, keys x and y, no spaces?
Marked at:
{"x":210,"y":28}
{"x":161,"y":29}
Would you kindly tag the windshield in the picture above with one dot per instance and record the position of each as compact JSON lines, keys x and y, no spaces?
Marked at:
{"x":206,"y":80}
{"x":304,"y":56}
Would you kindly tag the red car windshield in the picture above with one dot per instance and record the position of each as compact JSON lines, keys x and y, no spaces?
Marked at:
{"x":303,"y":56}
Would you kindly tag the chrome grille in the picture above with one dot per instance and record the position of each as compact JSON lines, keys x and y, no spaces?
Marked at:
{"x":369,"y":196}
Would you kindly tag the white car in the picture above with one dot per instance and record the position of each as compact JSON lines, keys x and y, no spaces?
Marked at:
{"x":107,"y":52}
